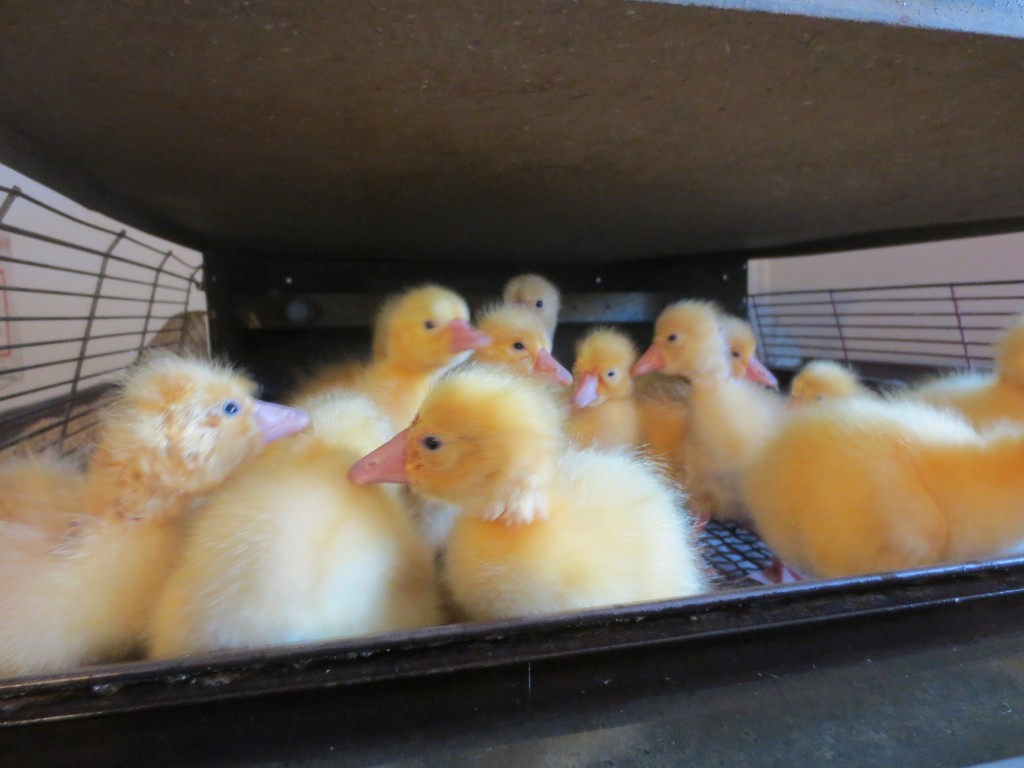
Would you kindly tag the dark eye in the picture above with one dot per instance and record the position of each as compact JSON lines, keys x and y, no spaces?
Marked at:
{"x":429,"y":325}
{"x":673,"y":337}
{"x":231,"y":408}
{"x":431,"y":443}
{"x":735,"y":354}
{"x":540,"y":303}
{"x":519,"y":345}
{"x":610,"y":374}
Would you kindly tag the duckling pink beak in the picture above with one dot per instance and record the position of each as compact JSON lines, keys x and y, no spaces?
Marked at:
{"x":383,"y":465}
{"x":277,"y":421}
{"x":549,"y":368}
{"x":586,"y":391}
{"x":757,"y":372}
{"x":651,"y":360}
{"x":463,"y":337}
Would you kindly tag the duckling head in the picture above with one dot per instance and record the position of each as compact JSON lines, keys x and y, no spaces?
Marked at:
{"x":426,"y":329}
{"x":180,"y":427}
{"x":519,"y":343}
{"x":687,"y":342}
{"x":603,"y":361}
{"x":822,"y":380}
{"x":739,"y":336}
{"x":537,"y":294}
{"x":485,"y":441}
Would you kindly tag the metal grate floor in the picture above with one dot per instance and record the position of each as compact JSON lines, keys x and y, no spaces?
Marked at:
{"x":734,"y":552}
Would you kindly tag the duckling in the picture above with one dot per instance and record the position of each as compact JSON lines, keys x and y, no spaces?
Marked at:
{"x":864,"y":485}
{"x":543,"y":526}
{"x":823,"y":380}
{"x":728,"y":418}
{"x":291,"y":551}
{"x":985,"y":399}
{"x":519,"y":343}
{"x":604,"y":412}
{"x":417,"y":336}
{"x":177,"y":430}
{"x":540,"y":295}
{"x":43,"y":490}
{"x":739,"y":336}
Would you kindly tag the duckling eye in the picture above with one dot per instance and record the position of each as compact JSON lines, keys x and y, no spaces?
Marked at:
{"x":540,"y":303}
{"x":431,"y":443}
{"x":673,"y":338}
{"x":735,"y":354}
{"x":519,"y":345}
{"x":611,"y":374}
{"x":429,"y":325}
{"x":231,"y":408}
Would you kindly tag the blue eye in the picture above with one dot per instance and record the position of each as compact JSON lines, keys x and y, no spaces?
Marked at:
{"x":231,"y":408}
{"x":540,"y":303}
{"x":610,"y":374}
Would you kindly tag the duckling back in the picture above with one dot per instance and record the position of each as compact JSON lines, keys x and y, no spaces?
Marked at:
{"x":617,"y":532}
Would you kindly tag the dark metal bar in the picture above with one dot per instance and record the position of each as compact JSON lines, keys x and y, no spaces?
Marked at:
{"x":12,"y":195}
{"x":74,"y":340}
{"x":82,"y":222}
{"x":34,"y":390}
{"x":84,"y":272}
{"x":81,"y":317}
{"x":80,"y":248}
{"x":88,"y":330}
{"x":79,"y":294}
{"x":52,"y":363}
{"x":806,"y":291}
{"x":152,"y":295}
{"x":839,"y":328}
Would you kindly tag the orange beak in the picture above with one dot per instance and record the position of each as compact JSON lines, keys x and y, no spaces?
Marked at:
{"x":549,"y":368}
{"x":586,"y":391}
{"x":463,"y":337}
{"x":651,"y":361}
{"x":277,"y":421}
{"x":383,"y":465}
{"x":757,"y":372}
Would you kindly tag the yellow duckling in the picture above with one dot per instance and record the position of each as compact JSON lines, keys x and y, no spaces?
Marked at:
{"x":823,"y":380}
{"x":543,"y":527}
{"x":539,"y":295}
{"x":604,"y":412}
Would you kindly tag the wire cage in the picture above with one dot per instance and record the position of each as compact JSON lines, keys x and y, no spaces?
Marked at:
{"x":892,"y":328}
{"x":80,"y":301}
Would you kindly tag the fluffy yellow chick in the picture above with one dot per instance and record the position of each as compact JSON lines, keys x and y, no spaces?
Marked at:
{"x":985,"y":399}
{"x":43,"y":490}
{"x":864,"y":485}
{"x":542,"y":527}
{"x":518,"y":343}
{"x":178,"y":429}
{"x":417,"y":336}
{"x":604,"y":412}
{"x":538,"y":294}
{"x":728,"y":418}
{"x":291,"y":551}
{"x":823,"y":380}
{"x":739,"y":337}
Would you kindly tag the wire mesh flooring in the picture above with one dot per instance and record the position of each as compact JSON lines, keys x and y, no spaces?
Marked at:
{"x":734,"y":552}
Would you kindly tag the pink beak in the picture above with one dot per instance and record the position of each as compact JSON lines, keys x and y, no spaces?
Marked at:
{"x":551,"y":369}
{"x":757,"y":372}
{"x":586,"y":391}
{"x":277,"y":421}
{"x":464,"y":336}
{"x":383,"y":465}
{"x":652,"y":360}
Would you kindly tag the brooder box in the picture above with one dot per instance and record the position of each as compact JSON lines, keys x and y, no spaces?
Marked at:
{"x":305,"y":159}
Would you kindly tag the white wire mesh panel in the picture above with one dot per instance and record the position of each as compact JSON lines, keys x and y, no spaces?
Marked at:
{"x":80,"y":299}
